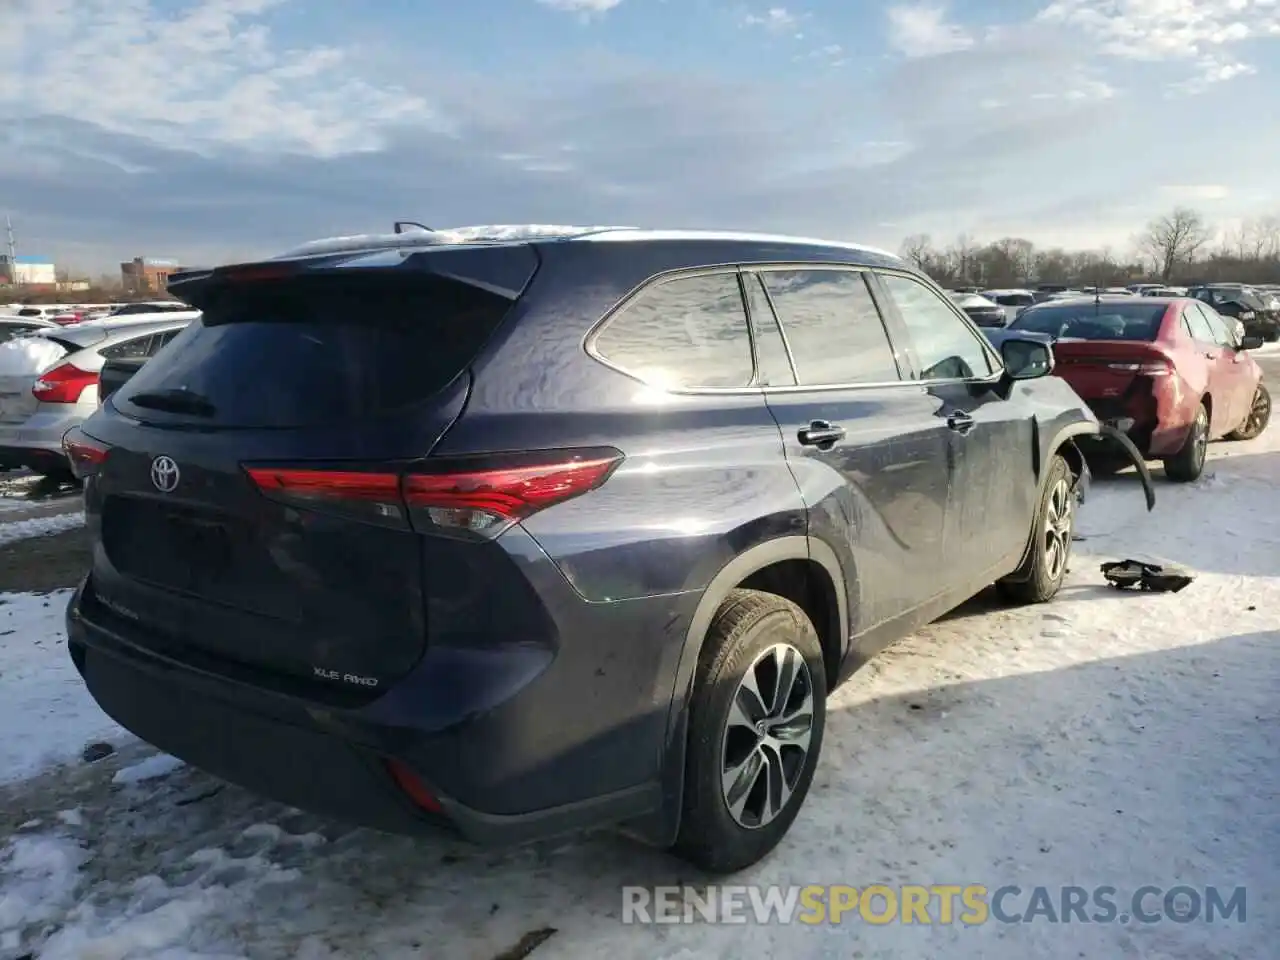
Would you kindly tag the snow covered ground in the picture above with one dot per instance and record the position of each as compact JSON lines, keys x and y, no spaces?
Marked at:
{"x":1104,"y":739}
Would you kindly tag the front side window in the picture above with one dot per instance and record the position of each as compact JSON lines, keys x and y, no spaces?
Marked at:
{"x":683,"y":333}
{"x":945,"y":346}
{"x":832,"y":324}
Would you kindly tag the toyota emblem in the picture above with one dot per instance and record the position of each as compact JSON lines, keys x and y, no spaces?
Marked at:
{"x":165,"y":474}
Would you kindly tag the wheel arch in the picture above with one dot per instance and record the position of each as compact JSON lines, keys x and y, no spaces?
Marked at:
{"x":734,"y":574}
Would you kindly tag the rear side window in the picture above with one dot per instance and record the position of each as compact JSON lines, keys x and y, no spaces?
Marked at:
{"x":128,"y":349}
{"x":833,"y":326}
{"x":323,"y":349}
{"x":683,"y":333}
{"x":1197,"y":318}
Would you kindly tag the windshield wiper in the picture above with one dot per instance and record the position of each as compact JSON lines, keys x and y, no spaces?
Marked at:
{"x":174,"y":401}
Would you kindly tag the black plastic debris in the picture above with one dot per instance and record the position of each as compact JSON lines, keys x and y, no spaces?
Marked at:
{"x":94,"y":752}
{"x":1150,"y":577}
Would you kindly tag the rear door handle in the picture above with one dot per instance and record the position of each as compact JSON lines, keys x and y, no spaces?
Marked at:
{"x":820,"y":433}
{"x":960,"y":422}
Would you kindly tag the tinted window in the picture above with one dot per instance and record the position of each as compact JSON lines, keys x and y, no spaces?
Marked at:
{"x":772,"y":366}
{"x":945,"y":346}
{"x":833,"y":326}
{"x":1014,"y":299}
{"x":683,"y":333}
{"x":1198,"y":322}
{"x":324,"y":349}
{"x":1107,"y":320}
{"x":128,"y":349}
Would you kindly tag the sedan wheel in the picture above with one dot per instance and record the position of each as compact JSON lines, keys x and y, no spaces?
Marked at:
{"x":1259,"y":416}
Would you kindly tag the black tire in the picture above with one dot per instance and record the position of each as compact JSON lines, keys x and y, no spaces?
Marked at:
{"x":1258,"y":417}
{"x":1042,"y":573}
{"x":1187,"y":464}
{"x":1272,"y":334}
{"x":748,"y":626}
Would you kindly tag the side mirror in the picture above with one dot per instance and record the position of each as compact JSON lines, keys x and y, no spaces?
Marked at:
{"x":1026,"y":359}
{"x":1251,"y":343}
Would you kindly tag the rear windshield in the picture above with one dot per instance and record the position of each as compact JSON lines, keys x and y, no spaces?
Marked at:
{"x":1013,"y":299}
{"x":970,"y":300}
{"x":319,"y":350}
{"x":1095,"y":321}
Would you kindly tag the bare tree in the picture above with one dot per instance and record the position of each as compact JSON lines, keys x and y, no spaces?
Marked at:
{"x":1174,"y":239}
{"x":917,"y":250}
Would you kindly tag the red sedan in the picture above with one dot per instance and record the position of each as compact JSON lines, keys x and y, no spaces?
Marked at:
{"x":1169,"y":372}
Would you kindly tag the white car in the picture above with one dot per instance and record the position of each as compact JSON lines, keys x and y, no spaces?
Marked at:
{"x":49,"y":381}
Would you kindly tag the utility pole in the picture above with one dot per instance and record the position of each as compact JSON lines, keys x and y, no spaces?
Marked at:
{"x":13,"y":249}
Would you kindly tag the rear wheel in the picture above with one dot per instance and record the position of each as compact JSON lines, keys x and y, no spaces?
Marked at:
{"x":1187,"y":464}
{"x":1258,"y":418}
{"x":755,"y":731}
{"x":1042,"y":573}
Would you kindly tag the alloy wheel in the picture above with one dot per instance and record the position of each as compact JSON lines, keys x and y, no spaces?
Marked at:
{"x":1057,"y":528}
{"x":1201,"y":437}
{"x":1259,"y":412}
{"x":767,"y":736}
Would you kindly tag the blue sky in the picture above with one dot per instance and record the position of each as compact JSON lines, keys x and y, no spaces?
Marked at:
{"x":211,"y":129}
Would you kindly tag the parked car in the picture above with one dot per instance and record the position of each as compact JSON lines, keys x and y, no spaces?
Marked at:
{"x":1012,"y":301}
{"x":1244,"y":304}
{"x":38,"y":406}
{"x":1170,"y":373}
{"x":502,"y":538}
{"x":153,"y":306}
{"x":981,"y":311}
{"x":11,"y":327}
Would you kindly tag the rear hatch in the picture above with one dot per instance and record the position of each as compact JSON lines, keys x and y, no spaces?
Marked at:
{"x":248,"y":501}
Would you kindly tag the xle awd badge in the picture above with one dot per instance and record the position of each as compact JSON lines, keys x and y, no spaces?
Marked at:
{"x":165,"y":474}
{"x":344,"y":677}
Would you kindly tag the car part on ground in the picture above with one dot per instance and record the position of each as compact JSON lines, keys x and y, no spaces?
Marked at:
{"x":1148,"y":577}
{"x":492,"y":532}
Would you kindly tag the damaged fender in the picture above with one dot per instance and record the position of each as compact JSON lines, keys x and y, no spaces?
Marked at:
{"x":1111,"y":433}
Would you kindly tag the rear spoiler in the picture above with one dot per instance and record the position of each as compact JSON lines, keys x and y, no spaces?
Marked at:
{"x":504,"y":269}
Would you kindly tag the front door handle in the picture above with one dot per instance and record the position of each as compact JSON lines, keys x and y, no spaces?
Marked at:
{"x":960,"y":422}
{"x":822,"y":434}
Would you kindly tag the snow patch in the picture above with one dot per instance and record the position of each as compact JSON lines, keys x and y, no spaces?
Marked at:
{"x":39,"y":875}
{"x":152,"y":768}
{"x":45,"y":710}
{"x":40,"y":526}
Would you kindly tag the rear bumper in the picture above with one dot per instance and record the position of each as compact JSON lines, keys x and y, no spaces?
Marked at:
{"x":37,"y":441}
{"x":333,"y":762}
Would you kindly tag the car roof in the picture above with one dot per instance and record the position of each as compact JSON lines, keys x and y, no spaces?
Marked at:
{"x":549,"y":233}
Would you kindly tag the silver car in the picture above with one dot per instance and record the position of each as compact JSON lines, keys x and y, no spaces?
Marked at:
{"x":38,"y":406}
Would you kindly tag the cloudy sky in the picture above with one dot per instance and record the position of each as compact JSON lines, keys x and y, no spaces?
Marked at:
{"x":207,"y":129}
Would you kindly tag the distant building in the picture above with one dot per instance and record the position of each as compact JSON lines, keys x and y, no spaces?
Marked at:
{"x":27,"y":271}
{"x":147,"y":274}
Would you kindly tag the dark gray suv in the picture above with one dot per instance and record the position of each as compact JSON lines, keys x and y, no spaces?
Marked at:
{"x":514,"y":537}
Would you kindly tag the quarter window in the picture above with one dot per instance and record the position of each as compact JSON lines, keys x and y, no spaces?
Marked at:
{"x":129,"y":349}
{"x":833,"y":326}
{"x":683,"y":333}
{"x":946,"y":348}
{"x":1198,"y":321}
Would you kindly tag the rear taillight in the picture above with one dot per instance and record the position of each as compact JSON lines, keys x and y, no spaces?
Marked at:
{"x":63,"y":384}
{"x":85,"y":454}
{"x":1156,"y":368}
{"x":480,"y":500}
{"x":488,"y":501}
